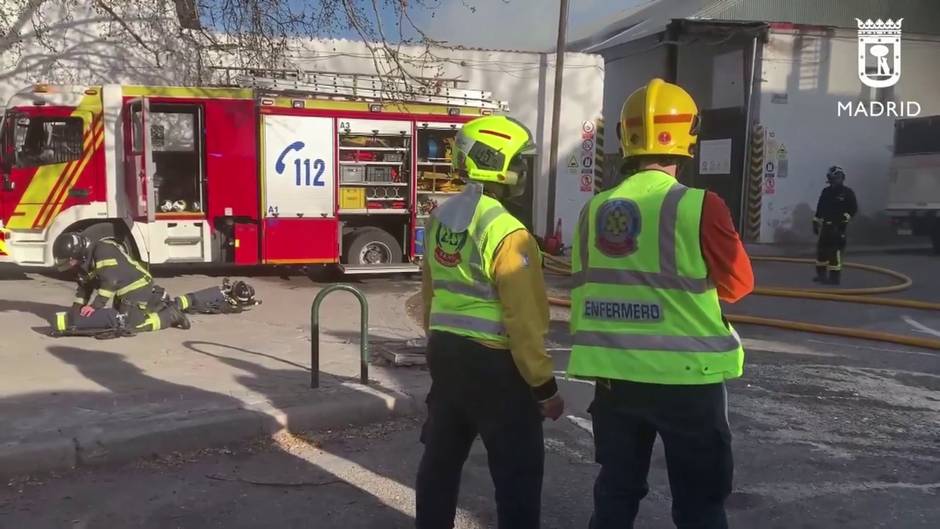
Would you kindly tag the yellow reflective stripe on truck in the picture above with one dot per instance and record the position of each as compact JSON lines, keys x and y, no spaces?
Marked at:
{"x":50,"y":184}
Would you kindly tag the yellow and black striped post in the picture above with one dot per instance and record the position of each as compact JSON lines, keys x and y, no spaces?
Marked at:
{"x":599,"y":161}
{"x":755,"y":183}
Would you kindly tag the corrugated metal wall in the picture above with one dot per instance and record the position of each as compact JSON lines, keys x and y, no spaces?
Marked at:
{"x":920,"y":16}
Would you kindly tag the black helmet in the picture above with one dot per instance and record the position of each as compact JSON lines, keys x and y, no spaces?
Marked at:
{"x":243,"y":293}
{"x":835,"y":173}
{"x":69,"y":245}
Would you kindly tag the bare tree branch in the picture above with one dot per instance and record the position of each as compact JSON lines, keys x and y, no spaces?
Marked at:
{"x":128,"y":28}
{"x":253,"y":34}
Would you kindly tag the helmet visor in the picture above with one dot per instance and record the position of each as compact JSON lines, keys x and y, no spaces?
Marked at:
{"x":62,"y":263}
{"x":486,"y":158}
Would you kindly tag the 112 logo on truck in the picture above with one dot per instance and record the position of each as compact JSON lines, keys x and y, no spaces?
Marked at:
{"x":318,"y":164}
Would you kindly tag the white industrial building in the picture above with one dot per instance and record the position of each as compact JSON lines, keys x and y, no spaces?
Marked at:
{"x":777,"y":78}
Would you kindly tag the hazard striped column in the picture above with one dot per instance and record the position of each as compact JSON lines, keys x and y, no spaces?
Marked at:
{"x":599,"y":162}
{"x":755,"y":184}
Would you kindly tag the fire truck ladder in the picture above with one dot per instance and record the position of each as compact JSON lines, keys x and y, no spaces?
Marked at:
{"x":364,"y":87}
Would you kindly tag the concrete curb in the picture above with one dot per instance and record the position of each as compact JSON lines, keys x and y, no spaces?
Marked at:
{"x":126,"y":441}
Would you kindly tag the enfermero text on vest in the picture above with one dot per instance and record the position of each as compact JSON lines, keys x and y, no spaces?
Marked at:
{"x":622,"y":310}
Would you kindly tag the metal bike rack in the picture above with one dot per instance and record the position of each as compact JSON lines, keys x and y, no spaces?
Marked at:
{"x":315,"y":334}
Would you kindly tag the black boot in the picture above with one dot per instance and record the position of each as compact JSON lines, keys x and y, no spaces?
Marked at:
{"x":835,"y":277}
{"x":177,"y":318}
{"x":820,"y":275}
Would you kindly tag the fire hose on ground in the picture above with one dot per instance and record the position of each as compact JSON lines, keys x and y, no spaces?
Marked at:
{"x":850,"y":295}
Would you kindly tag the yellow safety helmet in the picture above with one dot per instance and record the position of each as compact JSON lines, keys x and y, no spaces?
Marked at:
{"x":489,"y":149}
{"x":658,"y":119}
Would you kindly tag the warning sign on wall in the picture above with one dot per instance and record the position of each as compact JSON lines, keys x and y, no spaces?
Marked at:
{"x":587,"y":183}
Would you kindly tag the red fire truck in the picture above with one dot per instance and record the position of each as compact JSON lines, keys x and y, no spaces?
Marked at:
{"x":312,"y":169}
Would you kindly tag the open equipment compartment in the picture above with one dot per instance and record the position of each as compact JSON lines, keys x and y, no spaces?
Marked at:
{"x":437,"y":181}
{"x":376,"y":191}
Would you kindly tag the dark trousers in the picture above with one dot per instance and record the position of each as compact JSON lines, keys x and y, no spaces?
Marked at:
{"x":108,"y":319}
{"x":477,"y":390}
{"x":829,"y":248}
{"x":692,"y":422}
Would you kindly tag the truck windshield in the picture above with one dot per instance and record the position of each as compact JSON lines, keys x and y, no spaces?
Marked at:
{"x":917,"y":136}
{"x":45,"y":140}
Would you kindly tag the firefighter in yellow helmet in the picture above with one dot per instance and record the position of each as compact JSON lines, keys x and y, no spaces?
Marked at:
{"x":486,"y":313}
{"x":651,"y":261}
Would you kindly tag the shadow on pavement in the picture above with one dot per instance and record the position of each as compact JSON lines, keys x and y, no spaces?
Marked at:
{"x":122,"y":392}
{"x":45,"y":311}
{"x":268,"y":381}
{"x":9,"y":272}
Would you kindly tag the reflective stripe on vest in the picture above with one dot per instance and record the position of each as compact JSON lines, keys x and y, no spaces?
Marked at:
{"x":666,"y":278}
{"x":469,"y":323}
{"x":694,"y":344}
{"x":465,"y":300}
{"x":643,"y":308}
{"x":477,"y":289}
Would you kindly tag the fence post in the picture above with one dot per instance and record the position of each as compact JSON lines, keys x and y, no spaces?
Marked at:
{"x":315,"y":334}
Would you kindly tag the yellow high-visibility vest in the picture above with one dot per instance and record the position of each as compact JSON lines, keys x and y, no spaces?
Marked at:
{"x":465,"y":299}
{"x":642,"y":307}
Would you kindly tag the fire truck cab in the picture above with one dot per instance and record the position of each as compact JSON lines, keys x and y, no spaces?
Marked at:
{"x":315,"y":169}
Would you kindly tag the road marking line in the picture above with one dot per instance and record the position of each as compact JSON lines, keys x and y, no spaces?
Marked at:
{"x":581,"y":422}
{"x":920,"y":326}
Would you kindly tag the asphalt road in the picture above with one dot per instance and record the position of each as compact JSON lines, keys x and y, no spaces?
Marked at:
{"x":828,"y":432}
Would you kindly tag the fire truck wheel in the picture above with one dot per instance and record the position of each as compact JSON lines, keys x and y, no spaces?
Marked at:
{"x":373,"y":247}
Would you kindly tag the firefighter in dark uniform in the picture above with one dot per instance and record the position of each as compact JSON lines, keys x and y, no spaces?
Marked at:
{"x":836,"y":207}
{"x":108,"y":275}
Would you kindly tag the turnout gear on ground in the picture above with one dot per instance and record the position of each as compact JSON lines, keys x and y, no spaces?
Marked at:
{"x":658,"y":119}
{"x":229,"y":298}
{"x":837,"y":205}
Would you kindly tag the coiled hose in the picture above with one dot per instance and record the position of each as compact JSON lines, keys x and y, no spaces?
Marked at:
{"x":849,"y":295}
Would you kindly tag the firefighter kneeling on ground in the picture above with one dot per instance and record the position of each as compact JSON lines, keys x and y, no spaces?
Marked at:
{"x":106,"y":273}
{"x":836,"y":207}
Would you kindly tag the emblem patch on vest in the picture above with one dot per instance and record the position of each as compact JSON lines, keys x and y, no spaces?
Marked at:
{"x":618,"y":225}
{"x":448,"y":245}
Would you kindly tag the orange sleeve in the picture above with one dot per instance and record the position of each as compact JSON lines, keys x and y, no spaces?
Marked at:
{"x":729,"y":267}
